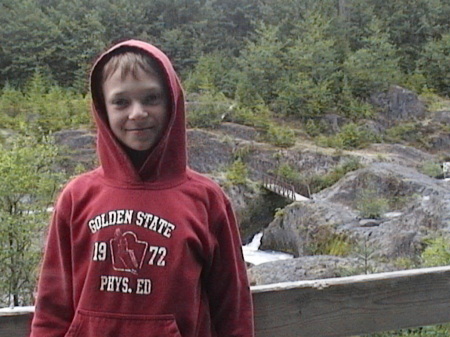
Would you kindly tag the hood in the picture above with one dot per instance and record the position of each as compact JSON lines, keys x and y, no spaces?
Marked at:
{"x":166,"y":163}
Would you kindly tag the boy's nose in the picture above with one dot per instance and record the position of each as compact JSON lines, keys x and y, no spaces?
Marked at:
{"x":137,"y":111}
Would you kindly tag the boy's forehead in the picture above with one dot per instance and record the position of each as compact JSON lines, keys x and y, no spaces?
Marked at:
{"x":140,"y":81}
{"x":133,"y":63}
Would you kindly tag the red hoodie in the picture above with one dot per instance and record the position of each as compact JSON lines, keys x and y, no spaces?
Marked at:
{"x":153,"y":252}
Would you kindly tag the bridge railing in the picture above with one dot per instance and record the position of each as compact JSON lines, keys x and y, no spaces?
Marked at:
{"x":336,"y":307}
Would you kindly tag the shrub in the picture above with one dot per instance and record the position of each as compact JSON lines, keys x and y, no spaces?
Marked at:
{"x":431,"y":169}
{"x":370,"y":205}
{"x":319,"y":182}
{"x":280,"y":136}
{"x":437,"y":252}
{"x":323,"y":240}
{"x":409,"y":132}
{"x":351,"y":136}
{"x":208,"y":110}
{"x":237,"y":173}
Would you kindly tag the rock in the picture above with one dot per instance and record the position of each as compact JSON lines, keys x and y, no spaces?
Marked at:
{"x":302,"y":224}
{"x":442,"y":117}
{"x":402,"y":155}
{"x":238,"y":131}
{"x":422,"y":206}
{"x":310,"y":268}
{"x":79,"y":148}
{"x":207,"y":152}
{"x":440,"y":142}
{"x":332,"y":123}
{"x":399,"y":104}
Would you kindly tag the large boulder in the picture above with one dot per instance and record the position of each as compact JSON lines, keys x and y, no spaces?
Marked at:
{"x":398,"y":104}
{"x":296,"y":228}
{"x":208,"y":152}
{"x":414,"y":205}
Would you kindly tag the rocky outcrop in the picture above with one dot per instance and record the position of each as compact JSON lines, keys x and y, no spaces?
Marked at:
{"x":414,"y":207}
{"x":311,"y":268}
{"x":398,"y":104}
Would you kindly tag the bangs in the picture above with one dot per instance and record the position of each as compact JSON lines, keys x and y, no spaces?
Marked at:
{"x":130,"y":63}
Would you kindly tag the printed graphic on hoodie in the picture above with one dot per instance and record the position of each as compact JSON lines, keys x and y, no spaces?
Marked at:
{"x":125,"y":252}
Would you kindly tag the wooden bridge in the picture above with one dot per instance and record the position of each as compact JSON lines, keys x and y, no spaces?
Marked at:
{"x":281,"y":187}
{"x":336,"y":307}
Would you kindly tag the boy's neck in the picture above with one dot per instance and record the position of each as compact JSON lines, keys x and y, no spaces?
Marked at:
{"x":138,"y":158}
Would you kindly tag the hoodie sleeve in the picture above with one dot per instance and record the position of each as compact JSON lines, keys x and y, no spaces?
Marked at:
{"x":54,"y":303}
{"x":228,"y":288}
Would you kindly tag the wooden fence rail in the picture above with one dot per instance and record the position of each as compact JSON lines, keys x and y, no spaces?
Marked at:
{"x":336,"y":307}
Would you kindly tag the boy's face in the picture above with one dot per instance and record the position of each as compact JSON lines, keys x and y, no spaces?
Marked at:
{"x":137,"y":108}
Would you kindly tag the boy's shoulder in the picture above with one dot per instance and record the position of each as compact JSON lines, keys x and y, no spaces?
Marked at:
{"x":82,"y":182}
{"x":205,"y":182}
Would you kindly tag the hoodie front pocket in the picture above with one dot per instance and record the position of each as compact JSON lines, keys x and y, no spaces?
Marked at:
{"x":100,"y":324}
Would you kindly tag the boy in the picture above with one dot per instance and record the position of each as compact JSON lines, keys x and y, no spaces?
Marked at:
{"x":142,"y":246}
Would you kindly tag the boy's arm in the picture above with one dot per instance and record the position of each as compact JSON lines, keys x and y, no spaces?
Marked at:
{"x":228,"y":288}
{"x":54,"y":304}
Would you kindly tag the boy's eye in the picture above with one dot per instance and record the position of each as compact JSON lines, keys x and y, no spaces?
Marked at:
{"x":120,"y":102}
{"x":152,"y":99}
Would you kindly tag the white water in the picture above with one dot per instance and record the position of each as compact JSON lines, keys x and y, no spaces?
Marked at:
{"x":253,"y":255}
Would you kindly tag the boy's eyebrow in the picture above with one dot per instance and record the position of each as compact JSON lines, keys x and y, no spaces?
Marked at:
{"x":150,"y":89}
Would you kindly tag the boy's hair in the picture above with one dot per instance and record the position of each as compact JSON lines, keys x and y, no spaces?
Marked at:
{"x":128,"y":60}
{"x":129,"y":63}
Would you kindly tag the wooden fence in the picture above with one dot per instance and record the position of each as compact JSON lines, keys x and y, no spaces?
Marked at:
{"x":336,"y":307}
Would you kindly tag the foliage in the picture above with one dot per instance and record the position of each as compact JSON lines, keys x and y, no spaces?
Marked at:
{"x":208,"y":110}
{"x":409,"y":131}
{"x":436,"y":253}
{"x":433,"y":101}
{"x":374,"y":66}
{"x":318,"y":182}
{"x":42,"y":107}
{"x":434,"y":65}
{"x":431,"y":169}
{"x":213,"y":72}
{"x":280,"y":136}
{"x":311,"y":70}
{"x":237,"y":173}
{"x":258,"y":116}
{"x":435,"y":331}
{"x":27,"y":188}
{"x":262,"y":64}
{"x":370,"y":205}
{"x":351,"y":136}
{"x":323,"y":240}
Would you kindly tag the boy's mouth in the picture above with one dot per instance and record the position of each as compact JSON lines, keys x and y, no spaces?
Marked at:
{"x":139,"y":129}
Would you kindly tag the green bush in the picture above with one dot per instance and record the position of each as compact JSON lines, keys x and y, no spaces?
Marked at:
{"x":237,"y":173}
{"x":409,"y":132}
{"x":43,"y":107}
{"x":370,"y":205}
{"x":303,"y":97}
{"x":323,"y":240}
{"x":351,"y":136}
{"x":208,"y":110}
{"x":437,"y":252}
{"x":319,"y":182}
{"x":431,"y":169}
{"x":280,"y":136}
{"x":257,"y":116}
